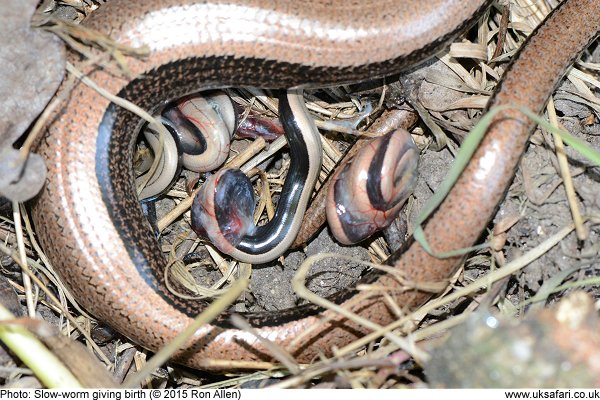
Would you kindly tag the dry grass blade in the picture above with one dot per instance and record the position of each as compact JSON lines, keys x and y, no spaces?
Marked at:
{"x":211,"y":312}
{"x":10,"y":252}
{"x":460,"y":71}
{"x":23,"y":257}
{"x":265,"y":201}
{"x":298,"y":283}
{"x":581,"y":230}
{"x":278,"y":352}
{"x":42,"y":120}
{"x":485,"y":281}
{"x":79,"y":38}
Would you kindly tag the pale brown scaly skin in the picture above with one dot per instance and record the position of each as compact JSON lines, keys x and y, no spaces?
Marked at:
{"x":105,"y":252}
{"x":528,"y":82}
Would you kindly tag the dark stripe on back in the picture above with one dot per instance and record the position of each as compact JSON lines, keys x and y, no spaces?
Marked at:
{"x":376,"y":198}
{"x":268,"y":236}
{"x":156,"y":88}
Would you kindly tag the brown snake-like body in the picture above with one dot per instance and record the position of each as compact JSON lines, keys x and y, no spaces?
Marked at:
{"x":88,"y":218}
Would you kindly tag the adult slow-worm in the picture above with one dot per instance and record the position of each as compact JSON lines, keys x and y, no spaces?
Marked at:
{"x":88,"y":218}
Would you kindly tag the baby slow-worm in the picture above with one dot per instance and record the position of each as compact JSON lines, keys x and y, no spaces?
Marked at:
{"x":200,"y":130}
{"x":90,"y":223}
{"x":201,"y":127}
{"x":315,"y":216}
{"x":223,"y":209}
{"x":366,"y":194}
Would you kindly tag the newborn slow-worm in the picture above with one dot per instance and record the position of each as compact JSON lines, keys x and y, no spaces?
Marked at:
{"x":367,"y":193}
{"x":88,"y":218}
{"x":200,"y":130}
{"x":223,"y":209}
{"x":315,"y":216}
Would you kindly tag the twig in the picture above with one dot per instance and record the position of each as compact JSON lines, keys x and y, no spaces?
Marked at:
{"x":502,"y":31}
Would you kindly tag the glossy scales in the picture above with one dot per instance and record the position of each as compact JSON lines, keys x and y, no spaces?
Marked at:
{"x":93,"y":252}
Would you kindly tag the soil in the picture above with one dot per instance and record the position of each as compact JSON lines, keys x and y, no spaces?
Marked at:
{"x":535,"y":207}
{"x":536,"y":197}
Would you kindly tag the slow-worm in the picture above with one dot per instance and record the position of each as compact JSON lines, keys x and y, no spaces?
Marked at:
{"x":315,"y":216}
{"x":90,"y":223}
{"x":223,"y":209}
{"x":200,"y":130}
{"x":367,"y":193}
